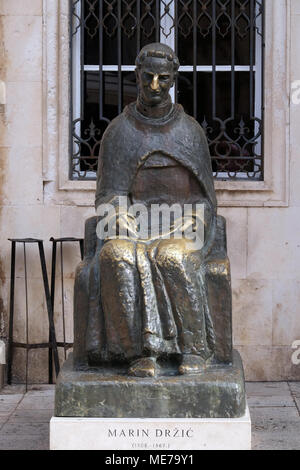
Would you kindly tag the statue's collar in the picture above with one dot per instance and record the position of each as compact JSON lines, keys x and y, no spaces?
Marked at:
{"x":176,"y":110}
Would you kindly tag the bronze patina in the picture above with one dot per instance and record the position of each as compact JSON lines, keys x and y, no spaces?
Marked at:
{"x":153,"y":308}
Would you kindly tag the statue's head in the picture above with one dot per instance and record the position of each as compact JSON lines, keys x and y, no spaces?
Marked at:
{"x":156,"y":69}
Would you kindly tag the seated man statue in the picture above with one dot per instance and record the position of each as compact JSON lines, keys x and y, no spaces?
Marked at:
{"x":152,"y":296}
{"x":140,"y":299}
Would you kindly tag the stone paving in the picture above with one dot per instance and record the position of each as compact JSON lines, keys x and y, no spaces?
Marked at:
{"x":274,"y":408}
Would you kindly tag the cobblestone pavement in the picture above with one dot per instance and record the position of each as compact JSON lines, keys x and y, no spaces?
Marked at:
{"x":274,"y":408}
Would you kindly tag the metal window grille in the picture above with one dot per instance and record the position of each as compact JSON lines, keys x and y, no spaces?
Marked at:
{"x":220,"y":47}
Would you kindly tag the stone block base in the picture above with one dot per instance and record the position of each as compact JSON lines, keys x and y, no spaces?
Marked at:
{"x":218,"y":392}
{"x":151,"y":434}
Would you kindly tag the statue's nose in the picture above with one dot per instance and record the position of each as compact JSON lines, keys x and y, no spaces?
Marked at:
{"x":154,"y":84}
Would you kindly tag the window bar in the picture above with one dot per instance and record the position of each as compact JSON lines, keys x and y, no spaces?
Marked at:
{"x":214,"y":59}
{"x":101,"y":59}
{"x":252,"y":26}
{"x":157,"y":15}
{"x":251,"y":75}
{"x":232,"y":81}
{"x":11,"y":311}
{"x":262,"y":82}
{"x":232,"y":59}
{"x":75,"y":40}
{"x":183,"y":68}
{"x":120,"y":100}
{"x":100,"y":68}
{"x":82,"y":61}
{"x":176,"y":47}
{"x":26,"y":313}
{"x":71,"y":80}
{"x":138,"y":26}
{"x":195,"y":58}
{"x":259,"y":82}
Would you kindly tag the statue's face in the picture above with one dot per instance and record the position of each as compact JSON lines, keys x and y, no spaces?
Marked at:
{"x":155,"y":78}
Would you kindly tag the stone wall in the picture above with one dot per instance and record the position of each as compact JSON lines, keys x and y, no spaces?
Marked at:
{"x":263,"y":242}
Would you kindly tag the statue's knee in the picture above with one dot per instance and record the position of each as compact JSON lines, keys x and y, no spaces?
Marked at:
{"x":117,"y":251}
{"x":170,"y":256}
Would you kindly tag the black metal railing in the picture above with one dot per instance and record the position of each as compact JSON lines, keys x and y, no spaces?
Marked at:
{"x":220,"y":45}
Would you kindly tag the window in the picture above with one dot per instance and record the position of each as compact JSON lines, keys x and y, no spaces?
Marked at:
{"x":219,"y":44}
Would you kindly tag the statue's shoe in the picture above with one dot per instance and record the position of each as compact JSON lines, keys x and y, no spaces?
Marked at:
{"x":144,"y":367}
{"x":191,"y":364}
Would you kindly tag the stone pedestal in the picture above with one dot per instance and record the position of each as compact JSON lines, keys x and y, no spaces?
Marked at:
{"x":108,"y":392}
{"x":151,"y":434}
{"x":104,"y":408}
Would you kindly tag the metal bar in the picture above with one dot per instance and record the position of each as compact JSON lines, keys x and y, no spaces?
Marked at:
{"x":49,"y":307}
{"x":26,"y":314}
{"x":251,"y":77}
{"x":120,"y":99}
{"x":195,"y":87}
{"x":53,"y":271}
{"x":77,"y":85}
{"x":65,"y":345}
{"x":262,"y":85}
{"x":239,"y":157}
{"x":71,"y":90}
{"x":157,"y":17}
{"x":82,"y":61}
{"x":138,"y":26}
{"x":100,"y":68}
{"x":65,"y":239}
{"x":258,"y":86}
{"x":11,"y":312}
{"x":214,"y":59}
{"x":182,"y":68}
{"x":31,"y":345}
{"x":62,"y":296}
{"x":232,"y":58}
{"x":176,"y":46}
{"x":256,"y":148}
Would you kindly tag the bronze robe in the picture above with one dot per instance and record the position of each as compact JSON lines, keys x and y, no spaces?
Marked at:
{"x":151,"y":298}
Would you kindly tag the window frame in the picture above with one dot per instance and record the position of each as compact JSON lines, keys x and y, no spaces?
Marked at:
{"x":273,"y":191}
{"x":166,"y":25}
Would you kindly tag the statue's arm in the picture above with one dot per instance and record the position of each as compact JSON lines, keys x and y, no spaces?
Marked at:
{"x":112,"y":173}
{"x":210,"y":192}
{"x":113,"y":180}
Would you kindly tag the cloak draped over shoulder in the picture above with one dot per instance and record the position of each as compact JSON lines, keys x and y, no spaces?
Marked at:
{"x":131,"y":138}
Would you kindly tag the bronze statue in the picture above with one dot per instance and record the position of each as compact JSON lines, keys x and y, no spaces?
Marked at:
{"x":152,"y":313}
{"x":153,"y":294}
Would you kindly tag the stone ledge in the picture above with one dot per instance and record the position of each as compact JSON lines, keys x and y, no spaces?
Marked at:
{"x":151,"y":434}
{"x":219,"y":392}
